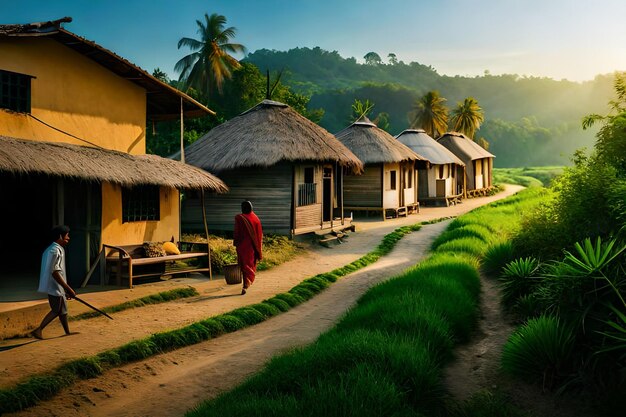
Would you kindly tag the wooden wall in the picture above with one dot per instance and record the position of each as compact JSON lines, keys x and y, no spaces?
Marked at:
{"x":364,"y":190}
{"x":269,"y":190}
{"x":307,"y":216}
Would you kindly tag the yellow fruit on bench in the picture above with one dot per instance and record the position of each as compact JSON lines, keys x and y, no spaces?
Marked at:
{"x":170,"y":248}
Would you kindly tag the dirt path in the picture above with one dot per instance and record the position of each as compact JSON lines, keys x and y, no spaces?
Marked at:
{"x":169,"y":384}
{"x":477,"y":365}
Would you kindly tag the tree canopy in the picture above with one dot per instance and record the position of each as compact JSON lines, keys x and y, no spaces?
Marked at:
{"x":209,"y":64}
{"x":467,"y":117}
{"x":430,"y":114}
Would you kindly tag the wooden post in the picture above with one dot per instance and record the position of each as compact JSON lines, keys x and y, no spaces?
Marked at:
{"x":206,"y":232}
{"x":182,"y":146}
{"x":93,"y":268}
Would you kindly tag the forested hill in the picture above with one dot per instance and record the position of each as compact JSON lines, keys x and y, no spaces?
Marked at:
{"x":528,"y":120}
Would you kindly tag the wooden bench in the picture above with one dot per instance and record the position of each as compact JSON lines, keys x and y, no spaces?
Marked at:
{"x":129,"y":261}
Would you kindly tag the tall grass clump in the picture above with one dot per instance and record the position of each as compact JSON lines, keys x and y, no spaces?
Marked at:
{"x":497,"y":255}
{"x":539,"y":351}
{"x":518,"y":278}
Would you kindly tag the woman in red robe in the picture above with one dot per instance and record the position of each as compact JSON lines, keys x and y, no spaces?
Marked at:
{"x":248,"y":238}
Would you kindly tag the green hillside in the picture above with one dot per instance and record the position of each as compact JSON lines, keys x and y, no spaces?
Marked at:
{"x":528,"y":120}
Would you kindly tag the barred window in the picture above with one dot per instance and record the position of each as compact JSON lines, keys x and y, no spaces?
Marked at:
{"x":307,"y":190}
{"x":15,"y":91}
{"x":141,"y":203}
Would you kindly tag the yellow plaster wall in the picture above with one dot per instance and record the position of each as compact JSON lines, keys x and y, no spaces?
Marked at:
{"x":114,"y":232}
{"x":74,"y":94}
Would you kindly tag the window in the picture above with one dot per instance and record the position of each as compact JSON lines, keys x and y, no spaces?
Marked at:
{"x":15,"y":91}
{"x":409,"y":178}
{"x":307,"y":191}
{"x":141,"y":203}
{"x":441,"y":172}
{"x":392,"y":180}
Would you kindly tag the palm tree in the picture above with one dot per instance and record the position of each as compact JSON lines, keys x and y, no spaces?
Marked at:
{"x":430,"y":114}
{"x":210,"y":63}
{"x":467,"y":117}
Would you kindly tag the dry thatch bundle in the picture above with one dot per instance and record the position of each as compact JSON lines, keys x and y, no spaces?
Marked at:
{"x":24,"y":157}
{"x":268,"y":133}
{"x":373,"y":145}
{"x":463,"y":147}
{"x":422,"y":144}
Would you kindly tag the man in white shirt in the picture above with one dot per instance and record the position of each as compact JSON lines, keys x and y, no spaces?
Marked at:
{"x":53,"y":280}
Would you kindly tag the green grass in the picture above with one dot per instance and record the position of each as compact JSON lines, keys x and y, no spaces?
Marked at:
{"x":276,"y":250}
{"x":539,"y":350}
{"x":384,"y":357}
{"x":162,"y":297}
{"x":528,"y":177}
{"x":39,"y":387}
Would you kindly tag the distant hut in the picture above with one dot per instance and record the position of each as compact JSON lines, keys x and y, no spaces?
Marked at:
{"x":389,"y":182}
{"x":478,"y":162}
{"x":290,"y":169}
{"x":441,"y":180}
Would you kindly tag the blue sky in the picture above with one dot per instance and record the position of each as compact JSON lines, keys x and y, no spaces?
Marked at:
{"x":571,"y":39}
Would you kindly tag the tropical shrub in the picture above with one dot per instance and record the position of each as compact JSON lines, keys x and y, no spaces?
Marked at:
{"x":518,"y":278}
{"x":497,"y":255}
{"x":539,"y":351}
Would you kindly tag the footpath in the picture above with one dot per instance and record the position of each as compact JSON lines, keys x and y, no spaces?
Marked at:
{"x":171,"y":383}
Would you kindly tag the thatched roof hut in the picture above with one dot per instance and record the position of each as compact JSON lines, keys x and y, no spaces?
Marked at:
{"x":438,"y":182}
{"x":389,"y":181}
{"x":25,"y":157}
{"x":421,"y":143}
{"x":269,"y":133}
{"x":478,"y":161}
{"x":373,"y":145}
{"x":289,"y":167}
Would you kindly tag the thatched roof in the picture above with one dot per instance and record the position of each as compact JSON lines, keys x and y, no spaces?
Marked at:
{"x":26,"y":157}
{"x":373,"y":145}
{"x":463,"y":147}
{"x":268,"y":133}
{"x":163,"y":100}
{"x":422,"y":144}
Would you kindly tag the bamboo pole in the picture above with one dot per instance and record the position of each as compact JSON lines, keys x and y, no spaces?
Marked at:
{"x":206,"y":232}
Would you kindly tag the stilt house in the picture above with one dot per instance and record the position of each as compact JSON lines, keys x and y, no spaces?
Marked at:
{"x":73,"y":119}
{"x":389,"y":183}
{"x":439,"y":178}
{"x":289,"y":168}
{"x":478,"y":162}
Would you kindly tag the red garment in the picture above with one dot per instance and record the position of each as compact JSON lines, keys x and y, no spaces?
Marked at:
{"x":248,"y":238}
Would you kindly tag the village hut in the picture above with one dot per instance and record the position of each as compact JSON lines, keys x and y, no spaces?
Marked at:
{"x":289,"y":168}
{"x":389,"y":182}
{"x":73,"y":119}
{"x":478,"y":162}
{"x":439,"y":178}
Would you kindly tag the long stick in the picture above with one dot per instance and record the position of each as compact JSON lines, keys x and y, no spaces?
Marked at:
{"x":92,"y":307}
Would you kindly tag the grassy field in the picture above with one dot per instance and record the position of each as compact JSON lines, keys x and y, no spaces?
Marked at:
{"x":385,"y":356}
{"x":528,"y":177}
